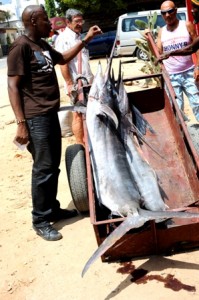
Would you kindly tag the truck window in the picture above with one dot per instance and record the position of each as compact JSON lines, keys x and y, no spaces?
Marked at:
{"x":128,"y":24}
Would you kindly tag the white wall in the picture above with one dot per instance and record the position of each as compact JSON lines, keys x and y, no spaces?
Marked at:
{"x":16,"y":7}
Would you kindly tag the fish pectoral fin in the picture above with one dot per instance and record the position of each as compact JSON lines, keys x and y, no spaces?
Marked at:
{"x":130,"y":222}
{"x":105,"y":110}
{"x":141,"y":123}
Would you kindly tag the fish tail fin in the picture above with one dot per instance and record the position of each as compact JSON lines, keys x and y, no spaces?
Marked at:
{"x":129,"y":223}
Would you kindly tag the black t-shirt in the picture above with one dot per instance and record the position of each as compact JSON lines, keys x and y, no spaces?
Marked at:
{"x":39,"y":86}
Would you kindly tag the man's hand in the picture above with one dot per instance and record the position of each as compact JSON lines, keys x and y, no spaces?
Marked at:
{"x":22,"y":136}
{"x":146,"y":31}
{"x":162,"y":57}
{"x":69,"y":89}
{"x":93,"y":31}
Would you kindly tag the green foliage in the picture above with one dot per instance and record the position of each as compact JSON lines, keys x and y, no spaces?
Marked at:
{"x":50,"y":8}
{"x":150,"y":66}
{"x":151,"y":21}
{"x":5,"y":15}
{"x":91,"y":6}
{"x":2,"y":15}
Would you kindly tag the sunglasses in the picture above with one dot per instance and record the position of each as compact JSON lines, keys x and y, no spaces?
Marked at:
{"x":170,"y":11}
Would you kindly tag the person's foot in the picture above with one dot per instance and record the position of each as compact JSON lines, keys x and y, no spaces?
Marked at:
{"x":48,"y":233}
{"x":62,"y":214}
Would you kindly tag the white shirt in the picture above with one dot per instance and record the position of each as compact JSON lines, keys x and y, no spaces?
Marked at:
{"x":66,"y":40}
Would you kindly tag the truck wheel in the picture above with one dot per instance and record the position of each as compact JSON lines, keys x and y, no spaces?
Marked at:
{"x":77,"y":177}
{"x":141,"y":55}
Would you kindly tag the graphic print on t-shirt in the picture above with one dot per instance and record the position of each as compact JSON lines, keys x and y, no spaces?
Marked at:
{"x":174,"y":46}
{"x":44,"y":61}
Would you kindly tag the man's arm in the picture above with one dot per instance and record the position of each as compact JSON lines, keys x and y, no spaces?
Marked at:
{"x":190,"y":49}
{"x":193,"y":35}
{"x":61,"y":45}
{"x":15,"y":101}
{"x":67,"y":77}
{"x":70,"y":54}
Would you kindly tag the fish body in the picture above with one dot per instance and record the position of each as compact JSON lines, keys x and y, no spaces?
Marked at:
{"x":144,"y":175}
{"x":108,"y":156}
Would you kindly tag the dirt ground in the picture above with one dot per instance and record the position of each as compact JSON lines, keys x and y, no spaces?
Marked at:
{"x":34,"y":269}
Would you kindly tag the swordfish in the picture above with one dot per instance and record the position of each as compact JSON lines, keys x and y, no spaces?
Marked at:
{"x":115,"y":184}
{"x":112,"y":175}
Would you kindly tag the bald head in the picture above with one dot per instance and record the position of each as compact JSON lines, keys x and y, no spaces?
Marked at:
{"x":30,"y":12}
{"x":36,"y":22}
{"x":167,"y":5}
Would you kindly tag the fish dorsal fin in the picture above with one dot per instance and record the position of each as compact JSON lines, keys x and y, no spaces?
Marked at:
{"x":140,"y":122}
{"x":119,"y":76}
{"x":105,"y":110}
{"x":109,"y":64}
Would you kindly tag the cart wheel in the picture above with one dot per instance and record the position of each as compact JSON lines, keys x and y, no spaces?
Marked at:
{"x":77,"y":177}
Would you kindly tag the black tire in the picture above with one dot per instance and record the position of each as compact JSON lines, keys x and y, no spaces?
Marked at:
{"x":141,"y":55}
{"x":77,"y":176}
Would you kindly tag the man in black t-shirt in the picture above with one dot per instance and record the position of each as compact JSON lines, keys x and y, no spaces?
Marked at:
{"x":34,"y":95}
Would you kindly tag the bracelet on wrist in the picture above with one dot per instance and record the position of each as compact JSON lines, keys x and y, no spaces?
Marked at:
{"x":20,"y":121}
{"x":84,"y":42}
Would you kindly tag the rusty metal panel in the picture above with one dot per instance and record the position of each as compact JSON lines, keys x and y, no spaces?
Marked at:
{"x":177,"y":168}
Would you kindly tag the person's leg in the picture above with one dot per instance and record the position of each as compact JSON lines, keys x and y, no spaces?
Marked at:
{"x":176,"y":81}
{"x":77,"y":128}
{"x":192,"y":92}
{"x":45,"y":147}
{"x":45,"y":173}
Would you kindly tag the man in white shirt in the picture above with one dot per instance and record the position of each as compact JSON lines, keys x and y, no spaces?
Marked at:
{"x":66,"y":40}
{"x":78,"y":65}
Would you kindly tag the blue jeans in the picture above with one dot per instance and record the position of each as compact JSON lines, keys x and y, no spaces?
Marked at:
{"x":184,"y":82}
{"x":45,"y":147}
